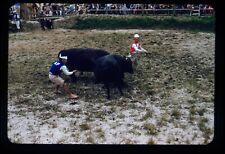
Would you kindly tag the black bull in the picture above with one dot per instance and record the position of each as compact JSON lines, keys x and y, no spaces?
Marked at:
{"x":82,"y":59}
{"x":110,"y":69}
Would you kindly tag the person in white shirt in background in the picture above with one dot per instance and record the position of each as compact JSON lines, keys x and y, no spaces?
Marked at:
{"x":16,"y":19}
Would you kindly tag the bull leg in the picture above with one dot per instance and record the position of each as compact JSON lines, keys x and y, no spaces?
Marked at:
{"x":124,"y":84}
{"x":119,"y":84}
{"x":108,"y":90}
{"x":120,"y":89}
{"x":73,"y":78}
{"x":96,"y":80}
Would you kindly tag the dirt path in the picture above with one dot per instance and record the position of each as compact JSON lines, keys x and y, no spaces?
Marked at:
{"x":168,"y":100}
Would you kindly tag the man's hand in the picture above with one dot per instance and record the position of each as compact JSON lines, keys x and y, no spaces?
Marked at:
{"x":145,"y":51}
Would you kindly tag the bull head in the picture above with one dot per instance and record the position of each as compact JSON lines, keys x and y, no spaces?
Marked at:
{"x":126,"y":57}
{"x":128,"y":65}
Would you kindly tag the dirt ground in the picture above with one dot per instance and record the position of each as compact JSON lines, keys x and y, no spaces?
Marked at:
{"x":168,"y":100}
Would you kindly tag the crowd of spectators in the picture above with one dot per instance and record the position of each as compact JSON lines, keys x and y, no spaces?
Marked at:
{"x":109,"y":8}
{"x":62,"y":9}
{"x":144,"y":8}
{"x":29,"y":11}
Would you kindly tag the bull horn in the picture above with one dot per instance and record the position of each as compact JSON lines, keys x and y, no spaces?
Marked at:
{"x":62,"y":57}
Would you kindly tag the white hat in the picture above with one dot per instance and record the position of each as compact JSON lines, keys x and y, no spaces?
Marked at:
{"x":136,"y":35}
{"x":62,"y":57}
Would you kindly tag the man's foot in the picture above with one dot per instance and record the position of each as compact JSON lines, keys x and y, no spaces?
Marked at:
{"x":73,"y":96}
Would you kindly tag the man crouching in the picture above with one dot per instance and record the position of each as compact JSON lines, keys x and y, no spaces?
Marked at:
{"x":54,"y":75}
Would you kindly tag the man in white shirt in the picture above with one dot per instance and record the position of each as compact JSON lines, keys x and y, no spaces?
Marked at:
{"x":54,"y":75}
{"x":135,"y":49}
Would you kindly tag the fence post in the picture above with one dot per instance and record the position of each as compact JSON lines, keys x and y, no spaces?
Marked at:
{"x":174,"y":10}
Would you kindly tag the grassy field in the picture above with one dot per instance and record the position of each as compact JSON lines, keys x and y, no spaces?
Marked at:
{"x":168,"y":100}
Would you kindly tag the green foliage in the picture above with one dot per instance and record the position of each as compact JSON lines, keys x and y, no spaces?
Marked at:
{"x":154,"y":22}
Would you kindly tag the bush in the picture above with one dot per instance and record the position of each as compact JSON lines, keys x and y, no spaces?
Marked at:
{"x":144,"y":22}
{"x":193,"y":23}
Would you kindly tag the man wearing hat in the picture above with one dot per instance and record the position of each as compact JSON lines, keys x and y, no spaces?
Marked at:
{"x":135,"y":48}
{"x":54,"y":75}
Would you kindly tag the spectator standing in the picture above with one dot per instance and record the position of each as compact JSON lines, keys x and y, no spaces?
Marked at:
{"x":124,"y":9}
{"x":108,"y":8}
{"x":16,"y":19}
